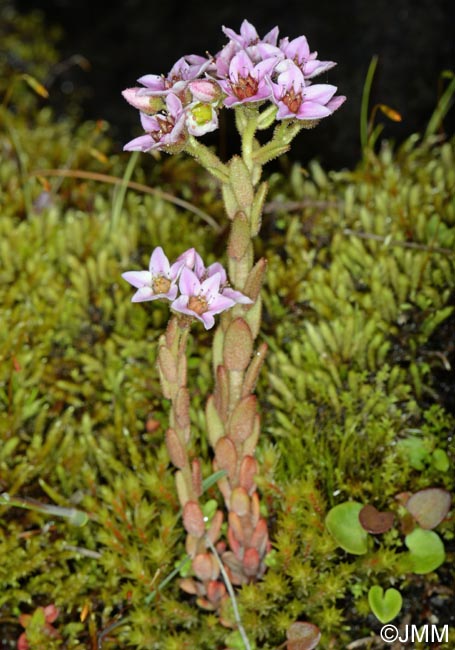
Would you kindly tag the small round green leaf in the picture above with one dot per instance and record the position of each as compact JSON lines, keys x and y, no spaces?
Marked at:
{"x":343,"y":523}
{"x":440,"y":460}
{"x":385,"y":606}
{"x":426,"y":550}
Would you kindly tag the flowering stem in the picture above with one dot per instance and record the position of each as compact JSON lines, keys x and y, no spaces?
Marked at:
{"x":248,"y":137}
{"x":207,"y":159}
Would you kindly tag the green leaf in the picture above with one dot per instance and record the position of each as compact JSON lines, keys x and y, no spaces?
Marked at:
{"x":343,"y":523}
{"x":440,"y":460}
{"x":385,"y":606}
{"x":426,"y":550}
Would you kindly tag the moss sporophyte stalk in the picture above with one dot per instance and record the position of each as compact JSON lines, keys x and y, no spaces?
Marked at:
{"x":265,"y":81}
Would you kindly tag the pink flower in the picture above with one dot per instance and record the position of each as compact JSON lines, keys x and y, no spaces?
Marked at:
{"x":163,"y":130}
{"x":186,"y":69}
{"x":296,"y":100}
{"x":203,"y":273}
{"x":249,"y":36}
{"x":159,"y":282}
{"x":248,"y":41}
{"x":201,"y":300}
{"x":299,"y":52}
{"x":246,"y":81}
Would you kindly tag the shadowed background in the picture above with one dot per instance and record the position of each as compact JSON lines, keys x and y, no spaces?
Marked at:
{"x":124,"y":40}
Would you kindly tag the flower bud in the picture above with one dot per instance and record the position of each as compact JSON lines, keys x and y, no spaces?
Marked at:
{"x":204,"y":90}
{"x":143,"y":102}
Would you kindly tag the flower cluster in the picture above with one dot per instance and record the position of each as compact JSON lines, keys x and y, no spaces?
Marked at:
{"x":246,"y":70}
{"x":192,"y":288}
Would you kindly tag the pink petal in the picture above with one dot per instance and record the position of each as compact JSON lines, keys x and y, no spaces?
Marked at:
{"x":220,"y":303}
{"x":144,"y":293}
{"x":138,"y":279}
{"x":271,"y":36}
{"x":152,"y":81}
{"x":189,"y":283}
{"x":236,"y":296}
{"x":297,"y":49}
{"x":210,"y":287}
{"x":159,"y":264}
{"x":336,"y":102}
{"x":312,"y":111}
{"x":142,"y":143}
{"x":240,"y":66}
{"x":320,"y":93}
{"x":208,"y":320}
{"x":313,"y":68}
{"x":216,"y":267}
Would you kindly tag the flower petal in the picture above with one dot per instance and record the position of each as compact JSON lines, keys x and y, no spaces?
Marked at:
{"x":138,"y":279}
{"x":144,"y":293}
{"x":189,"y":283}
{"x":159,"y":264}
{"x":142,"y":143}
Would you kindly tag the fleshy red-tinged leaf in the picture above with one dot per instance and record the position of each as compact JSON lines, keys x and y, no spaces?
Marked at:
{"x":215,"y":591}
{"x":240,"y":501}
{"x":255,"y":279}
{"x":214,"y":530}
{"x":248,"y":470}
{"x":255,"y":509}
{"x":226,"y":456}
{"x":196,"y":476}
{"x":205,"y":567}
{"x":252,"y":373}
{"x":236,"y":527}
{"x":182,"y":488}
{"x":221,"y":394}
{"x":215,"y":426}
{"x":302,"y":636}
{"x":167,"y":364}
{"x":260,"y":537}
{"x":182,"y":408}
{"x":241,"y":423}
{"x":251,"y":562}
{"x":175,"y":449}
{"x":193,"y":519}
{"x":238,"y":345}
{"x":241,"y":184}
{"x":429,"y":507}
{"x":239,"y":239}
{"x":250,"y":444}
{"x":234,"y":543}
{"x":375,"y":522}
{"x":190,"y":586}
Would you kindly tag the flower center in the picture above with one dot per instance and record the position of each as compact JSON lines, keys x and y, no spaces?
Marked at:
{"x":292,"y":100}
{"x":245,"y":87}
{"x":161,"y":284}
{"x":198,"y":304}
